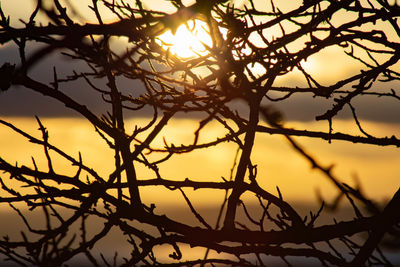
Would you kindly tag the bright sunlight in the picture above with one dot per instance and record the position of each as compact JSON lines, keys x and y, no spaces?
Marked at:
{"x":188,"y":41}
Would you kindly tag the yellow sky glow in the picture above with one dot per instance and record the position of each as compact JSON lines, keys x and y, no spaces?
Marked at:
{"x":278,"y":164}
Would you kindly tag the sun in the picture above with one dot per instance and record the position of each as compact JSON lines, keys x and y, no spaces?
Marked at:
{"x":189,"y":41}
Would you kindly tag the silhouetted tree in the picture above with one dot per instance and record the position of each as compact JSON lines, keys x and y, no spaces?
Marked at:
{"x":232,"y":83}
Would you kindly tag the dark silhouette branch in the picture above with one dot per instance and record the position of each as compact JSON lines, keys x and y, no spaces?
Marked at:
{"x":235,"y":79}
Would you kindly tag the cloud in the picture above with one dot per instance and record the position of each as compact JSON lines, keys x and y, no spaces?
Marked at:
{"x":19,"y":101}
{"x":305,"y":107}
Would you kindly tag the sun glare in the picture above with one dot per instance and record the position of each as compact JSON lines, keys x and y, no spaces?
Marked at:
{"x":308,"y":65}
{"x":188,"y":41}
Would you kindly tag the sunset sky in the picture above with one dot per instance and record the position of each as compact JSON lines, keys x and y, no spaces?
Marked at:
{"x":377,"y":168}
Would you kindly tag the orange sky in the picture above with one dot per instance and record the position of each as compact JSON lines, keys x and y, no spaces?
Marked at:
{"x":377,"y":168}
